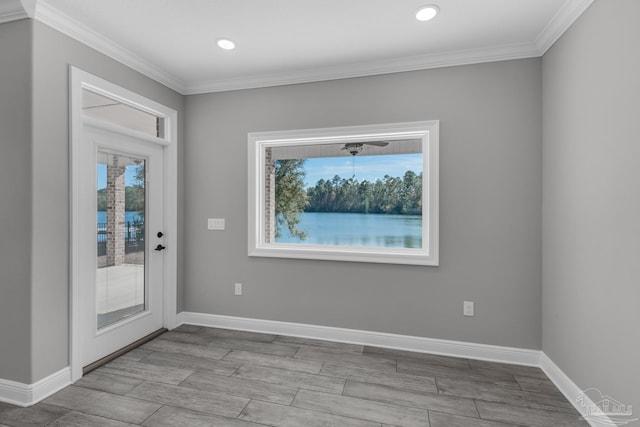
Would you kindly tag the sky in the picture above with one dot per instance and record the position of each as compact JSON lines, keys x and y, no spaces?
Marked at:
{"x":129,"y":176}
{"x":368,"y":168}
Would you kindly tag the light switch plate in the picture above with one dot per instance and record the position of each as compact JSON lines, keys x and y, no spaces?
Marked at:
{"x":468,"y":308}
{"x":215,"y":224}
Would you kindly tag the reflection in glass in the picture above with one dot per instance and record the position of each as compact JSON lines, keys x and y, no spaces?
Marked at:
{"x":109,"y":110}
{"x":120,"y":278}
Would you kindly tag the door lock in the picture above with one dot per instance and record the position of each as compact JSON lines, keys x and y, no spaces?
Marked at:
{"x":160,"y":234}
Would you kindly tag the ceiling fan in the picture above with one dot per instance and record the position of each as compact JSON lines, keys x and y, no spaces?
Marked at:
{"x":356,"y":147}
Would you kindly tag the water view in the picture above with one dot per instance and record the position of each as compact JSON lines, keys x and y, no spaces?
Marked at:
{"x":353,"y":229}
{"x":129,"y":216}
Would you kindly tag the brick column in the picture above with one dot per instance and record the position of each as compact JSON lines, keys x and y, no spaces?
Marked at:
{"x":115,"y":212}
{"x":270,"y":197}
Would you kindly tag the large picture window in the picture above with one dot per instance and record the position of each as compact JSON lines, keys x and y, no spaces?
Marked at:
{"x":359,"y":193}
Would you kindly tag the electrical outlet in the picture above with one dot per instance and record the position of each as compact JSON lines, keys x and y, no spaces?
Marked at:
{"x":238,"y":289}
{"x":468,"y":308}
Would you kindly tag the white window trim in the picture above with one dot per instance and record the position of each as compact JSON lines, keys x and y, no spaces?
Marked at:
{"x":427,"y":131}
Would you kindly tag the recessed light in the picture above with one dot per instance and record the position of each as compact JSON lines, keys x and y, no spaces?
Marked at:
{"x":426,"y":13}
{"x":226,"y":44}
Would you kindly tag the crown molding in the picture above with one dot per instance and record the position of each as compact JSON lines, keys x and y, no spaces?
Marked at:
{"x":562,"y":20}
{"x":13,"y":10}
{"x":76,"y":30}
{"x":363,"y":69}
{"x":45,"y":13}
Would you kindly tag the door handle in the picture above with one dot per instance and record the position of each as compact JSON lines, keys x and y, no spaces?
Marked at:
{"x":160,"y":248}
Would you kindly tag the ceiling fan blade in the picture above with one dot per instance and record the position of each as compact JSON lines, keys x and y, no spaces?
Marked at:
{"x":377,"y":143}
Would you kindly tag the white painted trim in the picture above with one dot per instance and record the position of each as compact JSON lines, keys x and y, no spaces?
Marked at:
{"x":426,"y":131}
{"x":563,"y":19}
{"x":49,"y":15}
{"x":571,"y":391}
{"x":362,"y":69}
{"x":14,"y":10}
{"x":113,"y":128}
{"x":511,"y":355}
{"x":516,"y":356}
{"x":78,"y":80}
{"x":21,"y":394}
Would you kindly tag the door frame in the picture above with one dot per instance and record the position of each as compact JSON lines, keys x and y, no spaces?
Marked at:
{"x":79,"y":80}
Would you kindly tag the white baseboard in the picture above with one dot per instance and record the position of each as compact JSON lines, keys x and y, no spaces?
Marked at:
{"x":516,"y":356}
{"x":572,"y":392}
{"x":21,"y":394}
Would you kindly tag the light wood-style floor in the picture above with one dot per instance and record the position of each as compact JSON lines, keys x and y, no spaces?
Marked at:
{"x":196,"y":376}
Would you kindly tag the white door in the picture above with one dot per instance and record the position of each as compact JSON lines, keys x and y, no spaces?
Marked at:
{"x":123,"y":264}
{"x":124,"y":159}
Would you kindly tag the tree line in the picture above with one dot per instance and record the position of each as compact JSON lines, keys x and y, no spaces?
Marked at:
{"x":133,"y":195}
{"x":390,"y":195}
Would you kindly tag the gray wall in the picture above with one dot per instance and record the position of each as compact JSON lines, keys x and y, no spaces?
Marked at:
{"x":15,"y":199}
{"x":52,"y":55}
{"x":591,"y":214}
{"x":490,"y":197}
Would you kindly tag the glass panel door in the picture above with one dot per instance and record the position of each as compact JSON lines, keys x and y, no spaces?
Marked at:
{"x":123,"y":261}
{"x":121,"y":211}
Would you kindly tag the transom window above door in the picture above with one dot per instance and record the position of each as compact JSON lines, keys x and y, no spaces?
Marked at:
{"x":110,"y":110}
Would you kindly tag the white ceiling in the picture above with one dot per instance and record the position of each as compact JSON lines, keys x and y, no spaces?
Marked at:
{"x":293,"y":41}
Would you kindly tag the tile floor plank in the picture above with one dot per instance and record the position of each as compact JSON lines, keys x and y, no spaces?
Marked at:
{"x":347,"y":359}
{"x":433,"y":371}
{"x":287,"y":416}
{"x":198,"y":400}
{"x":308,"y":342}
{"x":429,"y":359}
{"x":197,"y":350}
{"x":492,"y":367}
{"x":174,"y":360}
{"x":288,"y":363}
{"x":538,"y":385}
{"x":401,"y":381}
{"x":186,"y":337}
{"x":239,"y":335}
{"x":6,"y":407}
{"x":448,"y":420}
{"x":136,"y":354}
{"x":103,"y":404}
{"x":430,"y":401}
{"x":110,"y":383}
{"x":146,"y":371}
{"x":78,"y":419}
{"x":37,"y":415}
{"x":169,"y":416}
{"x":379,"y":412}
{"x":200,"y":376}
{"x":491,"y":393}
{"x":189,"y":329}
{"x":255,"y":346}
{"x":291,"y":378}
{"x":235,"y":386}
{"x":527,"y":416}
